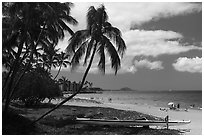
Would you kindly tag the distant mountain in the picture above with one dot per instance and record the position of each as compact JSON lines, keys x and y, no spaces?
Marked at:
{"x":126,"y":89}
{"x":122,"y":89}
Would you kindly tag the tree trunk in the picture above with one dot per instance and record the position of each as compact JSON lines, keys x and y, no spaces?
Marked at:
{"x":7,"y":78}
{"x":58,"y":71}
{"x":16,"y":84}
{"x":15,"y":66}
{"x":10,"y":82}
{"x":5,"y":85}
{"x":70,"y":97}
{"x":27,"y":65}
{"x":10,"y":90}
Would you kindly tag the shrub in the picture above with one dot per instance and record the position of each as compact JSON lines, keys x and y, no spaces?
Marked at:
{"x":35,"y":86}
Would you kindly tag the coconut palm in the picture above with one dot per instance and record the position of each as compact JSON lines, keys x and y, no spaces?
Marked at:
{"x":64,"y":82}
{"x":32,"y":24}
{"x":96,"y":38}
{"x":50,"y":57}
{"x":90,"y":84}
{"x":62,"y":61}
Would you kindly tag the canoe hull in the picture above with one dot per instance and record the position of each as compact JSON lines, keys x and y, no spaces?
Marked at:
{"x":129,"y":122}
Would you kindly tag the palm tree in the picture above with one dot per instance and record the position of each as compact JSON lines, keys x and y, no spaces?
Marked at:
{"x":64,"y":82}
{"x":90,"y":84}
{"x":50,"y":57}
{"x":62,"y":61}
{"x":32,"y":24}
{"x":96,"y":38}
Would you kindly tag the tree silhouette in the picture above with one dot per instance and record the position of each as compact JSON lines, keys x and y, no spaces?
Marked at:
{"x":62,"y":61}
{"x":96,"y":38}
{"x":30,"y":25}
{"x":64,"y":82}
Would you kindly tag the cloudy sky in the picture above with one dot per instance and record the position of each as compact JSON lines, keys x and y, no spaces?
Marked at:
{"x":164,"y":46}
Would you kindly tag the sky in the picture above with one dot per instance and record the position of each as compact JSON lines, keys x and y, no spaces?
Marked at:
{"x":164,"y":46}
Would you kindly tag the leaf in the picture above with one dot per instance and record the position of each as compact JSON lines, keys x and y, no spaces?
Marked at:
{"x":76,"y":40}
{"x":101,"y":63}
{"x":114,"y":57}
{"x":78,"y":55}
{"x":88,"y":51}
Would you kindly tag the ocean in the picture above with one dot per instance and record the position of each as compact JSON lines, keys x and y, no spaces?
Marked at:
{"x":186,"y":99}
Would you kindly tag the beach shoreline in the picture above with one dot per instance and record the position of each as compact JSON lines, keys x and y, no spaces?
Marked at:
{"x":58,"y":122}
{"x":194,"y":128}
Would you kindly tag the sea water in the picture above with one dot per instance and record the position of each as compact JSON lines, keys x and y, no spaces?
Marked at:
{"x":186,"y":99}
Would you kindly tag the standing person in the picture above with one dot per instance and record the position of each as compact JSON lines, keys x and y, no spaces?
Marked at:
{"x":178,"y":105}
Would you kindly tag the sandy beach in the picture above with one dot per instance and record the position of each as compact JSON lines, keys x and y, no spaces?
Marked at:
{"x":60,"y":121}
{"x":194,"y":128}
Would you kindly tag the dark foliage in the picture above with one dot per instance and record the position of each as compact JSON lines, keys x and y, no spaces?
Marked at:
{"x":11,"y":124}
{"x":35,"y":86}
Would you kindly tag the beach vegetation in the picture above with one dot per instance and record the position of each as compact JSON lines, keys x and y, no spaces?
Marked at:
{"x":62,"y":60}
{"x":99,"y":37}
{"x":64,"y":82}
{"x":35,"y":86}
{"x":28,"y":30}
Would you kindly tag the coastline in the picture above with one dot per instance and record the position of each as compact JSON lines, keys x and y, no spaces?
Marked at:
{"x":194,"y":128}
{"x":60,"y":121}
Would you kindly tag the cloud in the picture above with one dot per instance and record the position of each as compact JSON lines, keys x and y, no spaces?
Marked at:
{"x":130,"y":65}
{"x":144,"y":63}
{"x":145,"y":12}
{"x":185,"y":64}
{"x":124,"y":14}
{"x":155,"y":43}
{"x":145,"y":43}
{"x":139,"y":42}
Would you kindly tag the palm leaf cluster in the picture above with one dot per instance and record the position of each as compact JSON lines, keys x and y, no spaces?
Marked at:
{"x":99,"y":35}
{"x":33,"y":24}
{"x":31,"y":30}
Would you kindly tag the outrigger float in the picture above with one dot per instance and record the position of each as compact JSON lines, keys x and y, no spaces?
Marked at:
{"x":130,"y":122}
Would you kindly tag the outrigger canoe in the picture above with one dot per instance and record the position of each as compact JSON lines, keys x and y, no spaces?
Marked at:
{"x":130,"y":122}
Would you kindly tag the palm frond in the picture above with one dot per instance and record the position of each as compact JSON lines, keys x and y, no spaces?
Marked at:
{"x":88,"y":51}
{"x":67,"y":62}
{"x":114,"y":34}
{"x":107,"y":24}
{"x":101,"y":16}
{"x":120,"y":43}
{"x":76,"y":40}
{"x":101,"y":63}
{"x":64,"y":64}
{"x":78,"y":55}
{"x":70,"y":20}
{"x":65,"y":27}
{"x":114,"y":57}
{"x":91,"y":15}
{"x":111,"y":32}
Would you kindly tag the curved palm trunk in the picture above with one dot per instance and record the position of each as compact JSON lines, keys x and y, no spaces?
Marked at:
{"x":5,"y":82}
{"x":5,"y":85}
{"x":13,"y":74}
{"x":9,"y":92}
{"x":16,"y":84}
{"x":58,"y":72}
{"x":70,"y":97}
{"x":27,"y":65}
{"x":8,"y":76}
{"x":15,"y":66}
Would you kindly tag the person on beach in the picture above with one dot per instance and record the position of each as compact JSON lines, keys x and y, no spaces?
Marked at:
{"x":178,"y":105}
{"x":110,"y":100}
